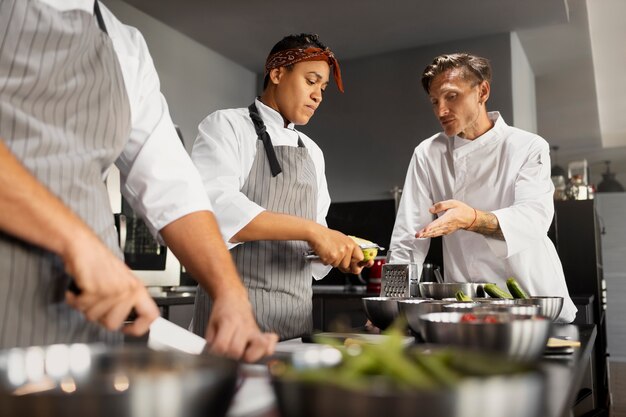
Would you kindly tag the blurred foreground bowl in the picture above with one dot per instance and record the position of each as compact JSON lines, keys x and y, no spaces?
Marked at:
{"x":518,"y":337}
{"x":95,"y":380}
{"x":518,"y":394}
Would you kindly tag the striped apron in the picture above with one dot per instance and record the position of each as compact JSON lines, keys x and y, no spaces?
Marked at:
{"x":275,"y":273}
{"x":65,"y":115}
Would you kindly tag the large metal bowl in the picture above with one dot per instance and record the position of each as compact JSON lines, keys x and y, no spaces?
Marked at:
{"x":442,"y":290}
{"x":473,"y":397}
{"x":477,"y":307}
{"x":548,"y":306}
{"x":94,"y":380}
{"x":519,"y":337}
{"x":411,"y":309}
{"x":463,"y":307}
{"x":523,"y":309}
{"x":381,"y":311}
{"x":498,"y":301}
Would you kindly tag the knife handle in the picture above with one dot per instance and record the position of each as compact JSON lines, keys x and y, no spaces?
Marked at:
{"x":75,"y":289}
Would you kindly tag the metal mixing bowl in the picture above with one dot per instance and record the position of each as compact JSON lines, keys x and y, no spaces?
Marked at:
{"x":523,"y":309}
{"x":439,"y":291}
{"x":95,"y":380}
{"x":497,"y":301}
{"x":464,"y":307}
{"x":548,"y":306}
{"x":518,"y":337}
{"x":490,"y":396}
{"x":382,"y":311}
{"x":412,"y":308}
{"x":477,"y":307}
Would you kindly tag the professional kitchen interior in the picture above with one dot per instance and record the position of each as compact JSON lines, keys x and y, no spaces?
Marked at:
{"x":556,"y":72}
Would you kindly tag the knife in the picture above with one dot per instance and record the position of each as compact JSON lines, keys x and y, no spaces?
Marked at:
{"x":163,"y":334}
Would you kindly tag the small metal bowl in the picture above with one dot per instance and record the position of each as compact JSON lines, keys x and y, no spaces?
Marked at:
{"x":381,"y":311}
{"x":523,"y":309}
{"x":549,"y":307}
{"x":463,"y":307}
{"x":518,"y":337}
{"x":411,"y":309}
{"x":442,"y":290}
{"x":496,"y":301}
{"x":477,"y":307}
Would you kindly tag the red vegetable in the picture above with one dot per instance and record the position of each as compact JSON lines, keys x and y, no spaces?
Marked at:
{"x":468,"y":317}
{"x":490,"y":319}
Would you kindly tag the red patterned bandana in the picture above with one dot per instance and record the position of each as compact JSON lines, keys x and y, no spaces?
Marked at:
{"x":293,"y":56}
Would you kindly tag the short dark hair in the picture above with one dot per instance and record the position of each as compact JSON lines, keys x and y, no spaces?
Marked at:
{"x":473,"y":68}
{"x":301,"y":41}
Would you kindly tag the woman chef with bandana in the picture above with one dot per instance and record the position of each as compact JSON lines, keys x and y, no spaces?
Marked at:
{"x":266,"y":182}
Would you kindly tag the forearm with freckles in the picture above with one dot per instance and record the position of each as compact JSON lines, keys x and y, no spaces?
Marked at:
{"x":487,"y":224}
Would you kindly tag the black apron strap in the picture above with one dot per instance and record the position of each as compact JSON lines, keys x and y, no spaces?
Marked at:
{"x":262,"y":134}
{"x":96,"y":12}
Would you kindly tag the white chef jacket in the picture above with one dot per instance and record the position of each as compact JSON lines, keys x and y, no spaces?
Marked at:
{"x":224,"y":152}
{"x":157,"y":176}
{"x":506,"y":171}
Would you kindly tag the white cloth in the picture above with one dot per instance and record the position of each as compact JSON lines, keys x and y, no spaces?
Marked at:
{"x":506,"y":171}
{"x":158,"y":178}
{"x":224,"y":152}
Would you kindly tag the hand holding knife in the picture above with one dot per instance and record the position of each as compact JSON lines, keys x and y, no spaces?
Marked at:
{"x":134,"y":307}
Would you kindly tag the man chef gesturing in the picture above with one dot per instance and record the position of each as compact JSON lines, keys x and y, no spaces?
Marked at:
{"x":488,"y":183}
{"x":78,"y":92}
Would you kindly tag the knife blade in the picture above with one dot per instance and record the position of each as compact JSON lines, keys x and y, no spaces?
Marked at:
{"x":163,"y":334}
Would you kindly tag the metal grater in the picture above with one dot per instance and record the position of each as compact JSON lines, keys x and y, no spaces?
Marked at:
{"x":399,"y":280}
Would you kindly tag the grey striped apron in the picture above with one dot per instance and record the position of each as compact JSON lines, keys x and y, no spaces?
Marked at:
{"x":65,"y":115}
{"x":275,"y":273}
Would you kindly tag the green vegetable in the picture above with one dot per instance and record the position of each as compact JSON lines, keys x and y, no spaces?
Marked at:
{"x":494,"y":291}
{"x":462,"y":297}
{"x":390,"y":367}
{"x":515,"y":289}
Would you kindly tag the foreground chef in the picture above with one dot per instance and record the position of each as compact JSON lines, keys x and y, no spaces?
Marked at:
{"x":267,"y":185}
{"x":489,"y":185}
{"x":74,"y":100}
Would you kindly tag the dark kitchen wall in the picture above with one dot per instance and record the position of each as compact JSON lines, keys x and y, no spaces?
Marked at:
{"x":368,"y":133}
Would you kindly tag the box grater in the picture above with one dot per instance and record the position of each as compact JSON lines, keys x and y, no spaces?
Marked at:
{"x":399,"y":280}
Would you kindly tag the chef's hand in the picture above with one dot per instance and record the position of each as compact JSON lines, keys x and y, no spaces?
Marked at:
{"x":336,"y":249}
{"x":456,"y":215}
{"x":108,"y":289}
{"x":232,"y":331}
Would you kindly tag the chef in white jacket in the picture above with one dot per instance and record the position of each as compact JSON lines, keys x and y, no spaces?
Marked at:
{"x":267,"y":185}
{"x":79,"y":92}
{"x":482,"y":185}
